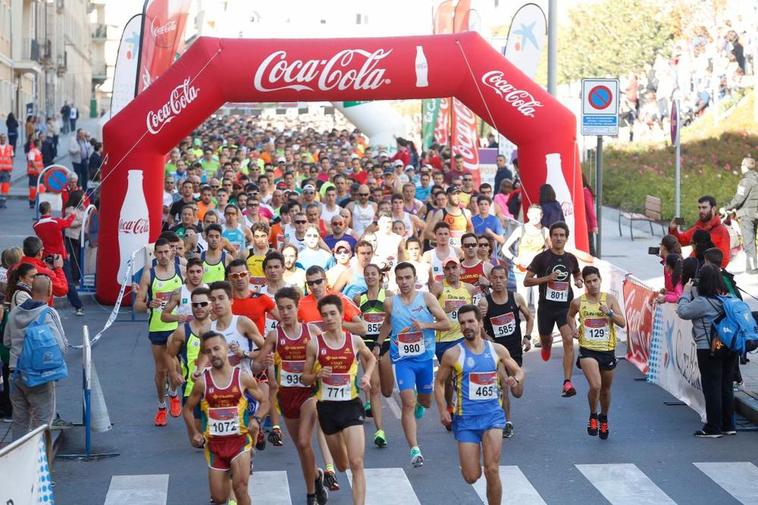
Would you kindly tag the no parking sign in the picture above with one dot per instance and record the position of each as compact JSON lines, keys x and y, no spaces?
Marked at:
{"x":600,"y":107}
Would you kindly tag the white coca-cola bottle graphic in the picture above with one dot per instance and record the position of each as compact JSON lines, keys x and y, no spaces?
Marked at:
{"x":133,"y":222}
{"x":557,"y":180}
{"x":422,"y":68}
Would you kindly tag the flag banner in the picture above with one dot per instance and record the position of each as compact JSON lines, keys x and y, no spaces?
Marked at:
{"x":430,"y":110}
{"x":125,"y":71}
{"x":163,"y":25}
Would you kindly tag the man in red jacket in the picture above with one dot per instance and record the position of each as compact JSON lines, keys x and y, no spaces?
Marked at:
{"x":710,"y":222}
{"x":33,"y":254}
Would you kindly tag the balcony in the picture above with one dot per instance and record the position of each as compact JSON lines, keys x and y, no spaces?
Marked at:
{"x":30,"y":58}
{"x":99,"y":32}
{"x":99,"y":73}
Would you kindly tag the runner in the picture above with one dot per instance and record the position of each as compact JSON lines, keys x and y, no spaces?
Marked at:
{"x":155,"y":289}
{"x":179,"y":309}
{"x":371,"y":303}
{"x":530,"y":239}
{"x":236,"y":233}
{"x":184,"y":344}
{"x":351,"y":282}
{"x":257,"y":253}
{"x":214,"y":258}
{"x":441,"y":252}
{"x":288,"y":341}
{"x":413,"y":256}
{"x":457,"y":218}
{"x":225,"y":418}
{"x":474,"y":270}
{"x":478,"y":422}
{"x":503,"y":311}
{"x":599,"y":314}
{"x":332,"y":363}
{"x":452,"y":294}
{"x":551,"y":271}
{"x":411,"y":318}
{"x":257,"y":307}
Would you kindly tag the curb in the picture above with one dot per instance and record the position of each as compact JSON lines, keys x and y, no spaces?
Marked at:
{"x":747,"y":405}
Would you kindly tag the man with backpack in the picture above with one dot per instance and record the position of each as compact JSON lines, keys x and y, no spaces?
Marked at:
{"x":34,"y":334}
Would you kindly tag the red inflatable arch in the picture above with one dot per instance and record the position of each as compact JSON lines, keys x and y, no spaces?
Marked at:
{"x":213,"y":72}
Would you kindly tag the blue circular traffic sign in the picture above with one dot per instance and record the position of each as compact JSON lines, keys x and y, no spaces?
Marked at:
{"x":55,"y":179}
{"x":600,"y":97}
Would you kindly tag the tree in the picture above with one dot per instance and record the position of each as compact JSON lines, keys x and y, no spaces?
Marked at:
{"x":612,"y":37}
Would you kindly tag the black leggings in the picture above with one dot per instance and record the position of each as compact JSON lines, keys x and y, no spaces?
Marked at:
{"x":716,"y":377}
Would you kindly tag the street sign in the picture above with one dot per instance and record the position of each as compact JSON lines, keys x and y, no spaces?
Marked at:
{"x":600,"y":107}
{"x":674,"y":121}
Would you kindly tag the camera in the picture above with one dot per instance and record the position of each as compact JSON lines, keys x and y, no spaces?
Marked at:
{"x":655,"y":251}
{"x":679,"y":221}
{"x":49,"y":259}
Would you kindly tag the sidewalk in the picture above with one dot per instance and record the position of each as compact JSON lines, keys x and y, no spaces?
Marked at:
{"x":631,"y":255}
{"x":19,"y":183}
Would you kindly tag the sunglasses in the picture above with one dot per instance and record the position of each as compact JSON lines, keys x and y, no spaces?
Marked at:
{"x":470,"y":246}
{"x":315,"y":282}
{"x":238,"y":275}
{"x":216,"y":187}
{"x":300,"y":222}
{"x":342,"y":252}
{"x":484,"y":245}
{"x":362,"y":194}
{"x":200,"y":304}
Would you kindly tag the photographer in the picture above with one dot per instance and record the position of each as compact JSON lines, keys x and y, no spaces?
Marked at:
{"x":715,"y":362}
{"x":52,"y":266}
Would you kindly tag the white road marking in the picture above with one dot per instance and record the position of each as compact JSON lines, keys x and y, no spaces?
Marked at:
{"x":386,"y":486}
{"x":270,"y":488}
{"x":738,"y":479}
{"x":624,"y":484}
{"x":516,"y":488}
{"x":142,"y":489}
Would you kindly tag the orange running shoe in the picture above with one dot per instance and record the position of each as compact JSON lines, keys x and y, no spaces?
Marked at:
{"x":160,"y":417}
{"x":592,"y":426}
{"x":546,"y":348}
{"x":603,"y":427}
{"x":175,"y":406}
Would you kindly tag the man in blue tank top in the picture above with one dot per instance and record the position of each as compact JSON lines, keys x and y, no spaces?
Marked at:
{"x":478,"y":420}
{"x":411,"y":318}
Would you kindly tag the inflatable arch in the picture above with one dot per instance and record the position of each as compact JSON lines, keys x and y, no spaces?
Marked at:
{"x":215,"y":71}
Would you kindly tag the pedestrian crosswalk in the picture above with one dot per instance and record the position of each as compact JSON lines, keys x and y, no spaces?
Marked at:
{"x":619,"y":484}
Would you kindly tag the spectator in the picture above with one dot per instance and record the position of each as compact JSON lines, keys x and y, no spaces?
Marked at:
{"x":80,"y":150}
{"x":503,"y":172}
{"x":709,"y":221}
{"x":50,"y":230}
{"x":32,"y":406}
{"x":589,"y":213}
{"x":716,"y":364}
{"x":95,"y":160}
{"x":672,"y":275}
{"x":72,"y":233}
{"x":52,"y":265}
{"x":701,"y":241}
{"x":501,"y":199}
{"x":552,"y":212}
{"x":47,"y":147}
{"x":745,"y":202}
{"x":12,"y":124}
{"x":65,"y":113}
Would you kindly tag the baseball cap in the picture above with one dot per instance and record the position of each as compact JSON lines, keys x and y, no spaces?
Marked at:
{"x":452,"y":189}
{"x":397,"y":163}
{"x":309,"y":187}
{"x":281,"y":159}
{"x":343,"y":244}
{"x":409,"y":167}
{"x":388,"y":171}
{"x":281,"y":185}
{"x":451,"y":259}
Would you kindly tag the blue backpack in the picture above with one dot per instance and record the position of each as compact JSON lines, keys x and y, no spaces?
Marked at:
{"x":735,"y":328}
{"x":41,"y":359}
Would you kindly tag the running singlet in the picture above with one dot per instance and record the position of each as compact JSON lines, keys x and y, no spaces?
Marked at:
{"x":254,"y":264}
{"x":357,"y":285}
{"x":475,"y":381}
{"x":307,"y":310}
{"x":232,"y":335}
{"x":362,"y":217}
{"x":342,"y":384}
{"x":458,"y":224}
{"x":451,"y":300}
{"x":558,"y":292}
{"x":596,"y":331}
{"x":255,"y":307}
{"x":213,"y":271}
{"x":160,"y":289}
{"x":185,"y":307}
{"x":503,"y":321}
{"x":406,"y":343}
{"x":438,"y":263}
{"x":235,"y":236}
{"x":289,"y":357}
{"x":373,"y":314}
{"x":188,"y":355}
{"x":223,"y":409}
{"x":471,"y":275}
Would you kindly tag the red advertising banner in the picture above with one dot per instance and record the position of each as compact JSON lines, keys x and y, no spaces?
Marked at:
{"x":639,"y":310}
{"x":162,"y":38}
{"x":465,"y":139}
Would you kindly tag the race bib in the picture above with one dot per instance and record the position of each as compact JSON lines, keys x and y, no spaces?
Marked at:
{"x":503,"y":325}
{"x":257,"y":281}
{"x":596,"y":330}
{"x":223,"y":421}
{"x":336,"y":388}
{"x":477,"y":297}
{"x":410,"y":344}
{"x":482,"y":386}
{"x":557,"y":291}
{"x":455,"y":238}
{"x":374,"y":322}
{"x":291,"y":374}
{"x":270,"y":324}
{"x":451,"y":308}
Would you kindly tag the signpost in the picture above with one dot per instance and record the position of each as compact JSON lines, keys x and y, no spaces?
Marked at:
{"x":600,"y":116}
{"x":675,"y":129}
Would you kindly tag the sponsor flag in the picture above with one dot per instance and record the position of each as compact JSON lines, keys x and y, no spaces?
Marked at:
{"x":430,"y":112}
{"x":163,"y":25}
{"x":125,"y":72}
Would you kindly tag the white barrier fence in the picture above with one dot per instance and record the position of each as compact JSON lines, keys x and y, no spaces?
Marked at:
{"x":24,"y":471}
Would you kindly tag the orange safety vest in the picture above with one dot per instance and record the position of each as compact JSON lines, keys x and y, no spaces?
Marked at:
{"x":6,"y":158}
{"x":34,"y":164}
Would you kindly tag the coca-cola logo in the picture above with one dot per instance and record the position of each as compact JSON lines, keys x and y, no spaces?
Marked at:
{"x":134,"y":226}
{"x":638,"y":303}
{"x":354,"y":69}
{"x":440,"y":130}
{"x":520,"y":99}
{"x":179,"y":99}
{"x":163,"y":34}
{"x":464,"y":136}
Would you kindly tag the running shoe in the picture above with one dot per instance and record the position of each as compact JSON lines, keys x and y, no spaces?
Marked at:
{"x":592,"y":425}
{"x":175,"y":406}
{"x":707,"y":434}
{"x":379,"y":439}
{"x":731,"y":431}
{"x":367,"y":409}
{"x":568,"y":389}
{"x":419,"y":411}
{"x":417,"y":459}
{"x":275,"y":437}
{"x":260,"y":441}
{"x":322,"y":495}
{"x":545,"y":349}
{"x":330,"y":481}
{"x":160,"y":417}
{"x":310,"y":499}
{"x":508,"y":430}
{"x":603,"y":427}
